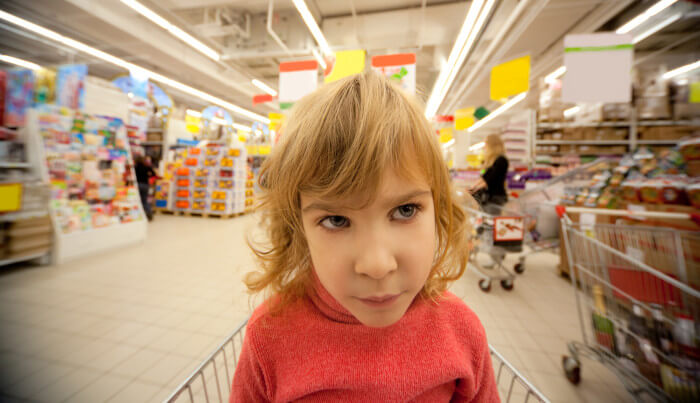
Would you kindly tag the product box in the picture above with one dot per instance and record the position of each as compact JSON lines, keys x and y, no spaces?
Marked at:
{"x":590,"y":113}
{"x":665,"y":132}
{"x":605,"y":134}
{"x":686,"y":111}
{"x":154,"y":136}
{"x":160,"y":203}
{"x":653,"y":108}
{"x":616,"y":111}
{"x":199,"y":206}
{"x":571,"y":134}
{"x":201,"y":182}
{"x":200,"y":194}
{"x":650,"y":82}
{"x":181,"y":204}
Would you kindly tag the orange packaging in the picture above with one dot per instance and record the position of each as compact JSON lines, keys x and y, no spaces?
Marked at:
{"x":218,"y":195}
{"x":226,"y":162}
{"x":182,"y":204}
{"x":183,"y":182}
{"x":218,"y":206}
{"x":183,"y":193}
{"x":192,"y":162}
{"x":234,"y":152}
{"x":184,"y":171}
{"x":195,"y":151}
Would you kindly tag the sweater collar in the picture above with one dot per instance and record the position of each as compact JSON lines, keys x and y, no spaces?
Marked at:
{"x":328,"y":305}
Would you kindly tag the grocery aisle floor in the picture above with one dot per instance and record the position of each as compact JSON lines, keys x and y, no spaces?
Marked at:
{"x":129,"y":325}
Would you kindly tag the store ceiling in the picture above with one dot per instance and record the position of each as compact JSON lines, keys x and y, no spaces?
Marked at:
{"x":428,"y":28}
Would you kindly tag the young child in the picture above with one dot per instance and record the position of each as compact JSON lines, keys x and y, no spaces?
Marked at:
{"x":364,"y":235}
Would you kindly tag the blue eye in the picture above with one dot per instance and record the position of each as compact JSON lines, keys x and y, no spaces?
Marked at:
{"x":334,"y":222}
{"x":405,"y":212}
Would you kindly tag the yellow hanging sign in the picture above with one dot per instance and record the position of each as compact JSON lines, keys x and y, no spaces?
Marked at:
{"x":252,"y":150}
{"x":347,"y":63}
{"x":445,"y":134}
{"x":192,"y":123}
{"x":510,"y":78}
{"x":464,"y":118}
{"x":263,"y":150}
{"x":10,"y":197}
{"x":694,"y":97}
{"x":276,"y":120}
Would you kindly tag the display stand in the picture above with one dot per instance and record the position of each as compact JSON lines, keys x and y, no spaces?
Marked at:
{"x":70,"y":246}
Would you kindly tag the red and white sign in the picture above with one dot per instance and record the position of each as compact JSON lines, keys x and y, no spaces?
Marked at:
{"x":400,"y":67}
{"x":296,"y":80}
{"x":508,"y":229}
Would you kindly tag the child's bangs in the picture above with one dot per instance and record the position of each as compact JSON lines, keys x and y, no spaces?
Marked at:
{"x":358,"y":147}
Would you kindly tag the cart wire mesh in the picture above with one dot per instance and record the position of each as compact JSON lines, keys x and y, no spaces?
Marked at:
{"x":638,"y":304}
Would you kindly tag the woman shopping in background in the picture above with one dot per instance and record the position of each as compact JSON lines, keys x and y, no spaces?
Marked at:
{"x":144,"y":172}
{"x":490,"y":189}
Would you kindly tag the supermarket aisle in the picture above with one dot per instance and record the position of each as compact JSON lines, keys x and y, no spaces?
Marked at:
{"x":129,"y":325}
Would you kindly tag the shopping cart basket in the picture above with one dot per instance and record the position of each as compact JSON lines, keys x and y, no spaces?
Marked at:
{"x":538,"y":208}
{"x":638,"y":303}
{"x":495,"y":236}
{"x":211,"y":381}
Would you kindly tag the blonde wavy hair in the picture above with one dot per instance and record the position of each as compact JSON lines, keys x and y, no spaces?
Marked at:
{"x":335,"y":145}
{"x":493,"y":148}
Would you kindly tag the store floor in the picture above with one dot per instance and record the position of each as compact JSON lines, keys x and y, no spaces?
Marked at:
{"x":130,"y":325}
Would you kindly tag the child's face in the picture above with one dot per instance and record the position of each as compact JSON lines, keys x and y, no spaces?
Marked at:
{"x":374,"y":260}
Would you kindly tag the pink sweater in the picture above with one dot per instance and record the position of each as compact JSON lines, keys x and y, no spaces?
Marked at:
{"x":316,"y":351}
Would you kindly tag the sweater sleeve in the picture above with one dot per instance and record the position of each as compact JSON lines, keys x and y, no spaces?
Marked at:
{"x":249,"y":381}
{"x":496,"y":173}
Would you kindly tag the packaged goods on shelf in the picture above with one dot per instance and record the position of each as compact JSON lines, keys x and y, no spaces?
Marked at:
{"x":616,"y":111}
{"x":666,"y":132}
{"x":589,"y":113}
{"x":650,"y":82}
{"x":686,"y":111}
{"x":657,"y":107}
{"x":90,"y":169}
{"x":604,"y":134}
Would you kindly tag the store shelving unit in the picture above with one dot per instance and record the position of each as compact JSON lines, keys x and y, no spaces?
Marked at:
{"x":631,"y":142}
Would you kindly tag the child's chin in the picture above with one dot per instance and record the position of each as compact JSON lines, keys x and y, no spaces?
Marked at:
{"x":380,"y":319}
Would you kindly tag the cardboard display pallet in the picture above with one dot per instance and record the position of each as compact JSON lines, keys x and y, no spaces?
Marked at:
{"x":196,"y":214}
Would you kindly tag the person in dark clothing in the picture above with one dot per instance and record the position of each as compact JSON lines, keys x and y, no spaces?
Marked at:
{"x":144,"y":172}
{"x":491,"y":187}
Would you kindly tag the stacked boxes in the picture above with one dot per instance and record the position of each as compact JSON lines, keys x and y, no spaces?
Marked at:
{"x":211,"y":181}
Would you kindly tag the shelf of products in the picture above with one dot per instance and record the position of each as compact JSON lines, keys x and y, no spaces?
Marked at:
{"x":93,"y":199}
{"x":214,"y":180}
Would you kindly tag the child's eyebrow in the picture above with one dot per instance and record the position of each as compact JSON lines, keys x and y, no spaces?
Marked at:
{"x":392,"y":202}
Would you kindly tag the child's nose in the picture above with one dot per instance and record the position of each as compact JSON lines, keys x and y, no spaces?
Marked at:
{"x":375,"y":260}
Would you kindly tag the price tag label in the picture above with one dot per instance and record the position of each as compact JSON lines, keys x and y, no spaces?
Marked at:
{"x":587,"y":221}
{"x":636,"y":208}
{"x":636,"y":254}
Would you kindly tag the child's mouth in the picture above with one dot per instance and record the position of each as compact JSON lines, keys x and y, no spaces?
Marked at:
{"x":380,"y":301}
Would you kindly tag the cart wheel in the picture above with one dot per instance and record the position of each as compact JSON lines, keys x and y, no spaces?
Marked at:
{"x":519,"y":268}
{"x":485,"y":285}
{"x":507,"y":284}
{"x":572,"y":369}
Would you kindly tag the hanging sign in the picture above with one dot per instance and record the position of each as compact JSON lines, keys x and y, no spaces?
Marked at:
{"x":44,"y":86}
{"x":276,"y":120}
{"x":262,"y":98}
{"x":346,"y":63}
{"x":481,"y":112}
{"x":70,"y":86}
{"x":598,"y":68}
{"x":296,"y":80}
{"x":694,"y":96}
{"x":193,"y":123}
{"x":510,"y":78}
{"x":445,"y":135}
{"x":464,"y":118}
{"x":399,"y":67}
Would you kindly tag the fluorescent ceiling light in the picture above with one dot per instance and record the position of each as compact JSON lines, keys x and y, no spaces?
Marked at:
{"x":130,"y":94}
{"x":476,"y":17}
{"x":498,"y":111}
{"x":242,"y":127}
{"x":650,"y":12}
{"x":175,"y":31}
{"x":656,"y":28}
{"x":681,"y":70}
{"x":130,"y":66}
{"x":319,"y":58}
{"x":571,"y":111}
{"x":194,"y":113}
{"x":477,"y":146}
{"x":264,"y":87}
{"x":313,"y":27}
{"x":555,"y":74}
{"x":19,"y":62}
{"x":220,"y":121}
{"x":448,"y":144}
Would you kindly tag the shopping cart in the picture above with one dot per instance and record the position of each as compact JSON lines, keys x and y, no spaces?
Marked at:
{"x":494,"y":235}
{"x":637,"y":297}
{"x":211,"y":381}
{"x":538,"y":208}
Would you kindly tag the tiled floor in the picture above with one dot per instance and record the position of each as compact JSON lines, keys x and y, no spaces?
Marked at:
{"x":131,"y":324}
